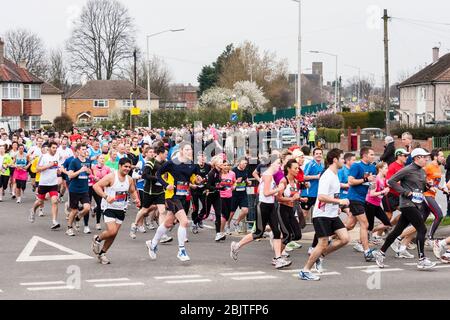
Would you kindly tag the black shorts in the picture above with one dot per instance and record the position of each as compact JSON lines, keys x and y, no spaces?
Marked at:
{"x":240,"y":200}
{"x":326,"y":227}
{"x":309,"y":204}
{"x":390,"y":202}
{"x":177,"y":204}
{"x":4,"y":182}
{"x":21,"y":184}
{"x":43,"y":190}
{"x":110,"y":215}
{"x":152,"y":199}
{"x":75,"y":198}
{"x":32,"y":175}
{"x":357,"y":208}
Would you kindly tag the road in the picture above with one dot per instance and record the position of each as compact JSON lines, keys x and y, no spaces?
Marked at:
{"x":210,"y":274}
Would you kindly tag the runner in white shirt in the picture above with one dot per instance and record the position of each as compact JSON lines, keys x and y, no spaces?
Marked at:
{"x":35,"y":152}
{"x":326,"y":219}
{"x":63,"y":153}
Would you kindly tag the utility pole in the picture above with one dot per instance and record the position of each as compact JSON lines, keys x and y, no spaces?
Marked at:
{"x":299,"y":81}
{"x":386,"y":71}
{"x":134,"y":94}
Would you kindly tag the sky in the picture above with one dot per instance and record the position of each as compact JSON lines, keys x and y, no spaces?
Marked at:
{"x":352,"y":29}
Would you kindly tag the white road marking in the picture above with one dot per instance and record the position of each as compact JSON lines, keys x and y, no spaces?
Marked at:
{"x":254,"y":278}
{"x":241,"y":273}
{"x":107,"y":280}
{"x":25,"y":255}
{"x":178,"y":277}
{"x":1,"y":291}
{"x":41,"y":283}
{"x":365,"y":267}
{"x":411,"y":264}
{"x":51,"y":288}
{"x":442,"y":266}
{"x":381,"y":270}
{"x":188,"y":281}
{"x":208,"y":226}
{"x":105,"y":285}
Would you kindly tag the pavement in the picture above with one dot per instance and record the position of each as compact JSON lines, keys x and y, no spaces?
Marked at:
{"x":37,"y":263}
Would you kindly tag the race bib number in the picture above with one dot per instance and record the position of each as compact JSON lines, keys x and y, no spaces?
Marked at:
{"x":182,"y":189}
{"x":241,"y":186}
{"x":250,"y":190}
{"x":417,"y":197}
{"x":121,"y":196}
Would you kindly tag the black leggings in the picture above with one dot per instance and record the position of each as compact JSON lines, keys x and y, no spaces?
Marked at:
{"x":410,"y":215}
{"x":433,"y":207}
{"x":290,"y":228}
{"x":373,"y":211}
{"x":98,"y":202}
{"x":265,"y":214}
{"x":4,"y":182}
{"x":226,"y":207}
{"x":197,"y":198}
{"x":214,"y":200}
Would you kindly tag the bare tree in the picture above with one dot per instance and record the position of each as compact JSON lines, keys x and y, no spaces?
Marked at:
{"x":23,"y":45}
{"x":102,"y":39}
{"x":365,"y":84}
{"x":57,"y":70}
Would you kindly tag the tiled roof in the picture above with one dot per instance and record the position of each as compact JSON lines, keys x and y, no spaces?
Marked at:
{"x":438,"y":71}
{"x":47,"y":88}
{"x":108,"y":89}
{"x":11,"y":72}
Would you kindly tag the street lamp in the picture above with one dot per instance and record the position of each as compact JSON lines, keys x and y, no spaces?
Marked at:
{"x":336,"y":91}
{"x":148,"y":73}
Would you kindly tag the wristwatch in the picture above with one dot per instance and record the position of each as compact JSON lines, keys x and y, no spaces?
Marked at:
{"x":105,"y":197}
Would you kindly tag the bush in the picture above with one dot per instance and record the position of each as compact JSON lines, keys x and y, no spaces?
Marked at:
{"x":377,"y":119}
{"x":355,"y":119}
{"x":63,"y":123}
{"x":330,"y":135}
{"x":332,"y":121}
{"x":422,"y":133}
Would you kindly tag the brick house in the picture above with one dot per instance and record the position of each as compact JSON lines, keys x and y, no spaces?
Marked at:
{"x":20,"y":94}
{"x":98,"y":100}
{"x":183,"y":97}
{"x":425,"y":96}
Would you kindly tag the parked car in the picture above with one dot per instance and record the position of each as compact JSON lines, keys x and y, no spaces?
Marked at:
{"x":369,"y":133}
{"x":288,"y":136}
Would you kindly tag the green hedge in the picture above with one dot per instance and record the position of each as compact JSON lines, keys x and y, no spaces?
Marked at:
{"x":373,"y":119}
{"x":422,"y":133}
{"x":330,"y":135}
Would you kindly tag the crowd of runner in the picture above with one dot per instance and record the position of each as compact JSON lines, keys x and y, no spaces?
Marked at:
{"x":98,"y":174}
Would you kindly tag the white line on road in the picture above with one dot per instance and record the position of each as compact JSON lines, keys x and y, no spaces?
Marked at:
{"x":189,"y":281}
{"x":208,"y":226}
{"x":411,"y":264}
{"x":254,"y":278}
{"x":241,"y":273}
{"x":1,"y":291}
{"x":381,"y":270}
{"x":41,"y":283}
{"x":105,"y":285}
{"x":51,"y":288}
{"x":178,"y":277}
{"x":442,"y":267}
{"x":107,"y":280}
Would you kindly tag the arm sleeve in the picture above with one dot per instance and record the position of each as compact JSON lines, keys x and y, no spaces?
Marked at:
{"x":165,"y":168}
{"x":392,"y":182}
{"x":323,"y":186}
{"x":354,"y":171}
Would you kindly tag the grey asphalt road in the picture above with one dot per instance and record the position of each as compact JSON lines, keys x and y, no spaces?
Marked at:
{"x":210,"y":274}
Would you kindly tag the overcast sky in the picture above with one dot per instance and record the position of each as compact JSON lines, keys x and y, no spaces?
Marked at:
{"x":349,"y":28}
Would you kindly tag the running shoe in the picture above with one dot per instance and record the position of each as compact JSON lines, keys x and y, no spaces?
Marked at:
{"x":220,"y":236}
{"x":194,"y":229}
{"x":151,"y":250}
{"x":152,"y":225}
{"x":293,"y":246}
{"x":369,"y":256}
{"x":98,"y":226}
{"x":234,"y":250}
{"x":86,"y":230}
{"x":308,"y":276}
{"x":200,"y":224}
{"x":70,"y":232}
{"x":358,"y":247}
{"x":182,"y":255}
{"x":282,"y":263}
{"x":103,"y":259}
{"x":438,"y":249}
{"x":445,"y":258}
{"x":310,"y":249}
{"x":55,"y":226}
{"x":411,"y":246}
{"x":425,"y":263}
{"x":429,"y":243}
{"x":227,"y":230}
{"x":13,"y":197}
{"x":41,"y":213}
{"x":133,"y":231}
{"x":284,"y":254}
{"x":396,"y":245}
{"x":404,"y":254}
{"x":96,"y":245}
{"x":379,"y":258}
{"x":18,"y":201}
{"x":318,"y":265}
{"x":141,"y":229}
{"x":165,"y":239}
{"x":32,"y":215}
{"x":376,"y":241}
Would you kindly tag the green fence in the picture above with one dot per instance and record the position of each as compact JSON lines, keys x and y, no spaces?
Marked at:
{"x":441,"y":142}
{"x":289,"y":113}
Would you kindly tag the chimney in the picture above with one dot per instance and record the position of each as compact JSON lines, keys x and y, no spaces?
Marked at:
{"x":2,"y":51}
{"x":23,"y":63}
{"x":435,"y":54}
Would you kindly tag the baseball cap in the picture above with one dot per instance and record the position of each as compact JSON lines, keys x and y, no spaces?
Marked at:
{"x":419,"y":152}
{"x":297,"y":153}
{"x":400,"y":151}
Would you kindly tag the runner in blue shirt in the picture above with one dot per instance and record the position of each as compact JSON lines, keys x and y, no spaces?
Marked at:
{"x":313,"y":171}
{"x":95,"y":152}
{"x":349,"y":159}
{"x":361,"y":174}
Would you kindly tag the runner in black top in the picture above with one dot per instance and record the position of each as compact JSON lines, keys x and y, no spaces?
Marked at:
{"x":240,"y":198}
{"x":198,"y":193}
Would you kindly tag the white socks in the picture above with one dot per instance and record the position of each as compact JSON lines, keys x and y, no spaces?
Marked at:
{"x":181,"y":236}
{"x":162,"y":230}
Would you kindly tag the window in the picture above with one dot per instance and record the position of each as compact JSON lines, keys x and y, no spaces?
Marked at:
{"x":14,"y":122}
{"x":101,"y":103}
{"x":32,"y":122}
{"x":11,"y":91}
{"x":127,"y":103}
{"x":100,"y":119}
{"x":32,"y":91}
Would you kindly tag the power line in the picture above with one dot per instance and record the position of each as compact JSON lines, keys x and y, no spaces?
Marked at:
{"x":423,"y":21}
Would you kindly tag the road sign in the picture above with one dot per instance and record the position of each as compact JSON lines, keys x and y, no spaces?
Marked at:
{"x":234,"y":106}
{"x":135,"y":111}
{"x":274,"y":111}
{"x":25,"y":255}
{"x":234,"y":117}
